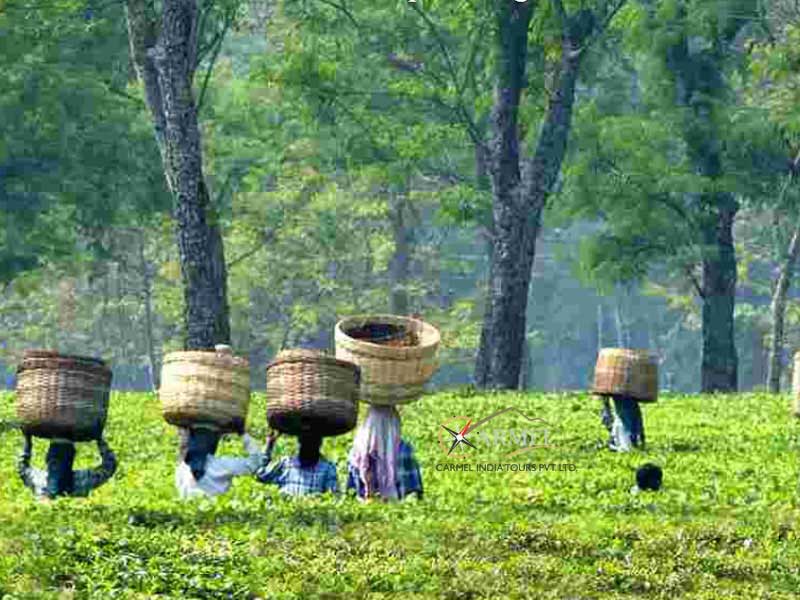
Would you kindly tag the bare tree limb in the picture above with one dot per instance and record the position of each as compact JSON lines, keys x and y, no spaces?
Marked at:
{"x":215,"y":54}
{"x":693,"y":279}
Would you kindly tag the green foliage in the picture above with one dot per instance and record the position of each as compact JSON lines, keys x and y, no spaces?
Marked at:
{"x":75,"y":154}
{"x":776,"y":67}
{"x":634,"y":163}
{"x":724,"y":524}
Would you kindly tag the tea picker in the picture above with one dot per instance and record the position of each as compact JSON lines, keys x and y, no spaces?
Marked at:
{"x":206,"y":394}
{"x":64,"y":399}
{"x":397,"y":356}
{"x":310,"y":395}
{"x":626,"y":377}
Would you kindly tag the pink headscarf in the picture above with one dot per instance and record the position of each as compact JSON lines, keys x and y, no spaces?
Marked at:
{"x":375,"y":450}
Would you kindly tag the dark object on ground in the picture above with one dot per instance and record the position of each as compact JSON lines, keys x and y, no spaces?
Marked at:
{"x":649,"y":477}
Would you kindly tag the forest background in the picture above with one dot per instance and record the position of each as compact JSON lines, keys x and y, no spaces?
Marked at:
{"x":353,"y":161}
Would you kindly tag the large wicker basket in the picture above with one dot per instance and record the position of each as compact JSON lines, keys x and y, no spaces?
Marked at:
{"x":397,"y":355}
{"x":205,"y":388}
{"x":308,"y":390}
{"x":624,"y":372}
{"x":796,"y":385}
{"x":62,"y":396}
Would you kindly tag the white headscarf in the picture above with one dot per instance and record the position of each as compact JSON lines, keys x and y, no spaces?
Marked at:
{"x":375,"y":450}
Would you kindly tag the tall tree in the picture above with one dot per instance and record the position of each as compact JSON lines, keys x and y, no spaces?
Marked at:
{"x":699,"y":85}
{"x":682,"y":190}
{"x":775,"y":86}
{"x":70,"y":136}
{"x":521,"y":186}
{"x":166,"y":56}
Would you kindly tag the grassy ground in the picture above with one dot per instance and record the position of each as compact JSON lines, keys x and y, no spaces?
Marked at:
{"x":724,"y":525}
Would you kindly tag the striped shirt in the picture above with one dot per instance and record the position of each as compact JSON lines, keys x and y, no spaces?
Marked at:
{"x":296,"y":480}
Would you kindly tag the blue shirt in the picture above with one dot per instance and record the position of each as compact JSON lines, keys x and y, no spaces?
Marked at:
{"x":296,"y":480}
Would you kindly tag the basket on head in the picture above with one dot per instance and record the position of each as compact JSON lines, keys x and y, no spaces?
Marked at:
{"x":796,"y":386}
{"x":308,"y":390}
{"x":625,"y":372}
{"x":397,"y":355}
{"x":62,"y":396}
{"x":208,"y":388}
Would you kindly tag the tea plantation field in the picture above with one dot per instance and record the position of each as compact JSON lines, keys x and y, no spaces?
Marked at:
{"x":725,"y":525}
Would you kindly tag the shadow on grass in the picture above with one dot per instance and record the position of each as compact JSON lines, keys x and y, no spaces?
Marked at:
{"x":298,"y":517}
{"x":7,"y":425}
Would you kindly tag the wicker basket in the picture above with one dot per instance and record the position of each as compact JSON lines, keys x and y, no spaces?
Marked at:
{"x":62,"y":396}
{"x":205,"y":388}
{"x":397,"y":355}
{"x":796,"y":386}
{"x":308,"y":390}
{"x":624,"y":372}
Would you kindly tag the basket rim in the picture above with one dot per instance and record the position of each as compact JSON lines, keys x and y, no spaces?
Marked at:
{"x":44,"y":354}
{"x":54,"y":364}
{"x":317,"y":357}
{"x":430,"y":336}
{"x":204,"y":355}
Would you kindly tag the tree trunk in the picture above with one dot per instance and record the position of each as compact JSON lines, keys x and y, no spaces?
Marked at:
{"x":519,"y":198}
{"x":699,"y":82}
{"x":778,"y":309}
{"x":504,"y":320}
{"x":599,"y":327}
{"x":399,"y":265}
{"x":618,"y":323}
{"x":720,"y":362}
{"x":147,"y":293}
{"x":166,"y":63}
{"x":525,"y":370}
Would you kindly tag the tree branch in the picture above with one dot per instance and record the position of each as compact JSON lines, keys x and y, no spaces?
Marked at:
{"x":601,"y":29}
{"x":558,"y":6}
{"x":698,"y":288}
{"x":344,"y":10}
{"x":212,"y":62}
{"x":472,"y":128}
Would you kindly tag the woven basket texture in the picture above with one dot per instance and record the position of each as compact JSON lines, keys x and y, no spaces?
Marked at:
{"x":395,"y":363}
{"x":796,"y":386}
{"x":205,"y":387}
{"x":62,"y":396}
{"x":625,"y":372}
{"x":308,"y":390}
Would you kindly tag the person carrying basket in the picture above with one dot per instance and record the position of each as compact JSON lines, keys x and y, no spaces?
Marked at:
{"x":200,"y":472}
{"x":382,"y":464}
{"x":64,"y":399}
{"x":59,"y":479}
{"x":306,"y":474}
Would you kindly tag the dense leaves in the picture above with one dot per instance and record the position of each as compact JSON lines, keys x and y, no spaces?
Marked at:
{"x":724,"y":521}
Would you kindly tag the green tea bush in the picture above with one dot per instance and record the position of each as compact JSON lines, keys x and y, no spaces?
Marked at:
{"x":725,"y":523}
